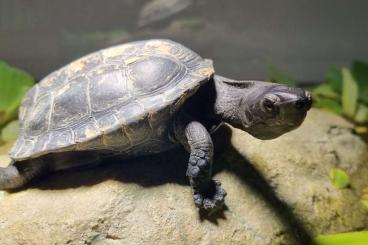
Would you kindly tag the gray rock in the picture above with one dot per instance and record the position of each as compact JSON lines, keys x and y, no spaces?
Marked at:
{"x":279,"y":192}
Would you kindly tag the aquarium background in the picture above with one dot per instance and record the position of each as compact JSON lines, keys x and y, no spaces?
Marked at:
{"x":243,"y":37}
{"x":316,"y":175}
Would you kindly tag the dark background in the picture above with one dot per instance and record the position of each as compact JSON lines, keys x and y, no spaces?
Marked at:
{"x":301,"y":37}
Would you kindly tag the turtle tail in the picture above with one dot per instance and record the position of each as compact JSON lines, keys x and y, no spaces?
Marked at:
{"x":19,"y":173}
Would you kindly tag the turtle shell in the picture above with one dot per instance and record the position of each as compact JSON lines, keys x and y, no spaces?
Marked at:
{"x":113,"y":99}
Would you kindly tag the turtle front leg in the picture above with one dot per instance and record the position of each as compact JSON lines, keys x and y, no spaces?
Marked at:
{"x":207,"y":193}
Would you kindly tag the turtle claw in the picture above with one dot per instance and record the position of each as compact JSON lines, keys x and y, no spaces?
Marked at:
{"x":213,"y":200}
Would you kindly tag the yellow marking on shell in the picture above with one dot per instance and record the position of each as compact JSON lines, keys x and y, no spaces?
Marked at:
{"x":77,"y":65}
{"x":124,"y":130}
{"x":207,"y":71}
{"x":115,"y":51}
{"x":154,"y":43}
{"x":63,"y":89}
{"x":164,"y":48}
{"x":104,"y":142}
{"x":161,"y":46}
{"x":178,"y":103}
{"x":46,"y":82}
{"x":132,"y":60}
{"x":90,"y":133}
{"x":188,"y":83}
{"x":99,"y":72}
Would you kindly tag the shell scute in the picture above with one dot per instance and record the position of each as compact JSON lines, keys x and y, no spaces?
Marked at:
{"x":61,"y":139}
{"x":108,"y":90}
{"x":69,"y":104}
{"x":119,"y":99}
{"x":37,"y":121}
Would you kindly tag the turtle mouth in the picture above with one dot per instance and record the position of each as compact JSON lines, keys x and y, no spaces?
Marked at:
{"x":269,"y":131}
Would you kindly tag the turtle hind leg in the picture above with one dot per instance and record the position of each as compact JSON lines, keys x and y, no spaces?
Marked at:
{"x":18,"y":174}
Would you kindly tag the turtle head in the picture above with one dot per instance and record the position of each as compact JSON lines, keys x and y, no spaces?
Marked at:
{"x":267,"y":110}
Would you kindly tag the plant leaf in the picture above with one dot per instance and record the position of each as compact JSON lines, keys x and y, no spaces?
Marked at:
{"x":10,"y":131}
{"x":365,"y":197}
{"x":349,"y":93}
{"x":339,"y":178}
{"x":334,"y":78}
{"x":361,"y":130}
{"x":13,"y":85}
{"x":359,"y":71}
{"x":349,"y":238}
{"x":328,"y":104}
{"x":326,"y":91}
{"x":361,"y":115}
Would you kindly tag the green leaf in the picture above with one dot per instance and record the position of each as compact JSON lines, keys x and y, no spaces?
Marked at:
{"x":349,"y":238}
{"x":10,"y":131}
{"x":359,"y":71}
{"x":328,"y":104}
{"x":365,"y":202}
{"x":349,"y":93}
{"x":326,"y":91}
{"x":339,"y":178}
{"x":365,"y":197}
{"x":279,"y":76}
{"x":334,"y":78}
{"x":13,"y":85}
{"x":361,"y":130}
{"x":361,"y":115}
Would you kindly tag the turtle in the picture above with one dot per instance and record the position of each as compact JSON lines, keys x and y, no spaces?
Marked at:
{"x":142,"y":98}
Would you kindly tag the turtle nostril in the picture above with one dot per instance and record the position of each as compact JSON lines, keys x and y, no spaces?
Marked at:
{"x":300,"y":104}
{"x":304,"y":102}
{"x":309,"y":100}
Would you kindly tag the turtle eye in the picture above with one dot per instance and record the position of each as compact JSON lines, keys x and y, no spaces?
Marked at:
{"x":268,"y":104}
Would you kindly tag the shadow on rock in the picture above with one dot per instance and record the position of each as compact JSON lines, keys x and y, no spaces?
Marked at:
{"x":155,"y":170}
{"x":230,"y":159}
{"x":170,"y":167}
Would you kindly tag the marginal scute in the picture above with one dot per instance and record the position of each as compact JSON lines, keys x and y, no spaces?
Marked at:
{"x":17,"y":146}
{"x":87,"y":131}
{"x":38,"y":118}
{"x":88,"y":136}
{"x":27,"y":104}
{"x":157,"y":121}
{"x":119,"y":99}
{"x":107,"y":123}
{"x":117,"y":140}
{"x":152,"y":103}
{"x":139,"y":131}
{"x":41,"y":144}
{"x":130,"y":113}
{"x":26,"y":148}
{"x":63,"y":138}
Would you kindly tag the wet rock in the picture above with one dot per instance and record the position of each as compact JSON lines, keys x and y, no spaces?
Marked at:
{"x":279,"y":192}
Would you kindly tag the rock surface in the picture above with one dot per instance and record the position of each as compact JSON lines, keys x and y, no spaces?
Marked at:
{"x":279,"y":192}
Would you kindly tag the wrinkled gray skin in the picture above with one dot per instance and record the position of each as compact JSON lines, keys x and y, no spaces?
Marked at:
{"x":265,"y":110}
